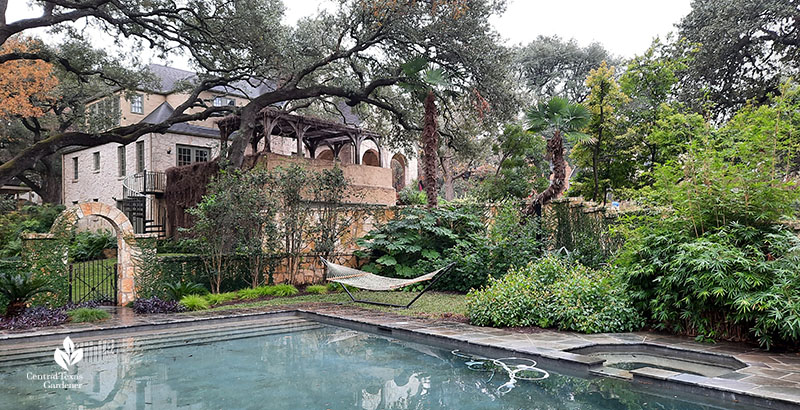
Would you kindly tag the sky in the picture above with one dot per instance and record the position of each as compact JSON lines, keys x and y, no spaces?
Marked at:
{"x":624,"y":27}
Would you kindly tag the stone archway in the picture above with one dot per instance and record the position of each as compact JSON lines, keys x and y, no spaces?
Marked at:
{"x":127,"y":250}
{"x":371,"y":158}
{"x":398,"y":165}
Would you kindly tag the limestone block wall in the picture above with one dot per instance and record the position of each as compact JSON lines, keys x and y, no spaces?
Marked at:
{"x":369,"y":185}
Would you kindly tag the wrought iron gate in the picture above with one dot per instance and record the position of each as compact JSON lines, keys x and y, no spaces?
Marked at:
{"x":93,"y":280}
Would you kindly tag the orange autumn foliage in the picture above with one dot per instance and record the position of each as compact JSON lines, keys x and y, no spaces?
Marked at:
{"x":24,"y":84}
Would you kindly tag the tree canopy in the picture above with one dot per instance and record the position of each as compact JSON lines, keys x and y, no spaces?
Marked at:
{"x":354,"y":54}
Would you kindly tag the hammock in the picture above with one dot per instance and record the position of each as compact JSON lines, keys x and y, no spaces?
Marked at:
{"x":369,"y":281}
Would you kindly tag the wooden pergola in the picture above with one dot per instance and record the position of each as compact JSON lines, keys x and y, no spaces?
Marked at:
{"x":311,"y":133}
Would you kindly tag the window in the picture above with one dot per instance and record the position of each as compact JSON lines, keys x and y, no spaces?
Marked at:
{"x":137,"y":104}
{"x":75,"y":168}
{"x":223,"y":101}
{"x":190,"y":155}
{"x":106,"y":113}
{"x":121,"y":161}
{"x":96,"y":161}
{"x":139,"y":156}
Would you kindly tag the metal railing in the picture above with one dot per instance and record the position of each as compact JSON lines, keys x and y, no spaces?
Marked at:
{"x":143,"y":183}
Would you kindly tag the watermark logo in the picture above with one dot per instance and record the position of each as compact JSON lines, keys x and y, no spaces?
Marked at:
{"x":69,"y":356}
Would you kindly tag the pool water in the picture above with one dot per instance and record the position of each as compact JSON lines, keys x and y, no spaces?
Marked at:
{"x":304,"y":366}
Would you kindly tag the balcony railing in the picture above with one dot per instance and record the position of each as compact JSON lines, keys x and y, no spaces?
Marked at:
{"x":144,"y":183}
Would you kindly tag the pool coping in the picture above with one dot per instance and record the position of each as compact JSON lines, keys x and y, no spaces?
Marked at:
{"x":488,"y":342}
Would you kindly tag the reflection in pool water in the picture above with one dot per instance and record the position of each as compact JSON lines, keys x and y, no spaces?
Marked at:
{"x":320,"y":368}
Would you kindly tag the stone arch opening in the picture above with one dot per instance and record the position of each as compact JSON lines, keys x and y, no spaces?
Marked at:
{"x":326,"y":155}
{"x":346,"y":154}
{"x":127,"y":250}
{"x":371,"y":158}
{"x":399,"y":165}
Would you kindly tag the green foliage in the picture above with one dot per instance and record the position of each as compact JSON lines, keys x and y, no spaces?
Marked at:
{"x":219,"y":298}
{"x":317,"y":289}
{"x":736,"y":173}
{"x":414,"y":241}
{"x":520,"y":168}
{"x":81,"y":315}
{"x":177,"y":290}
{"x":19,"y":288}
{"x":88,"y":246}
{"x":491,"y":253}
{"x":194,"y":302}
{"x":334,"y":287}
{"x":411,"y":195}
{"x":31,"y":218}
{"x":252,"y":293}
{"x":284,"y":290}
{"x":735,"y":281}
{"x":236,"y":217}
{"x":589,"y":237}
{"x":553,"y":292}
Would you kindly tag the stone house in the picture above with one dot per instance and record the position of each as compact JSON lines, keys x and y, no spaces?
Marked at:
{"x":132,"y":177}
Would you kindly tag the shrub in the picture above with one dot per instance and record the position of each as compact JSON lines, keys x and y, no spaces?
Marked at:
{"x":219,"y":298}
{"x":81,"y":315}
{"x":507,"y":243}
{"x":413,"y":243}
{"x":317,"y":289}
{"x":19,"y":288}
{"x":553,"y":292}
{"x":411,"y":195}
{"x":284,"y":290}
{"x":194,"y":302}
{"x":31,"y":218}
{"x":87,"y":246}
{"x":157,"y":305}
{"x":734,"y":282}
{"x":176,"y":291}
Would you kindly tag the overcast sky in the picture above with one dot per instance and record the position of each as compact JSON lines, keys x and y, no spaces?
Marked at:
{"x":624,"y":27}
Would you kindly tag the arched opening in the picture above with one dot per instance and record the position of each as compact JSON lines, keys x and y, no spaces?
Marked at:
{"x":326,"y":155}
{"x":371,"y":158}
{"x":346,"y":154}
{"x":398,"y":165}
{"x":127,"y":251}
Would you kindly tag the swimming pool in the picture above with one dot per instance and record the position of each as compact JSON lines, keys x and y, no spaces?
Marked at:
{"x":291,"y":363}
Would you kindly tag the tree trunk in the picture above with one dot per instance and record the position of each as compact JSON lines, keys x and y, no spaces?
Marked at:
{"x":430,"y":146}
{"x":555,"y":150}
{"x":447,"y":175}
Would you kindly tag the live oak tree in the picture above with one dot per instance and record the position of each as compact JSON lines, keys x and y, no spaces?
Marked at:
{"x":353,"y":54}
{"x":746,"y":48}
{"x":552,"y":66}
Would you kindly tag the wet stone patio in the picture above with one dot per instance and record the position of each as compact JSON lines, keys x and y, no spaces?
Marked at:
{"x":757,"y":376}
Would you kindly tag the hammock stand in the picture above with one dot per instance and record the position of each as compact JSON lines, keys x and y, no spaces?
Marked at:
{"x":370,"y":281}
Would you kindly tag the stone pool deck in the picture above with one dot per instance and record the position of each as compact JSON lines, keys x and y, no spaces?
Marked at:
{"x":771,"y":379}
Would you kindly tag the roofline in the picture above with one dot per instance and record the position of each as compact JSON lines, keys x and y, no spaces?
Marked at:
{"x":193,"y":134}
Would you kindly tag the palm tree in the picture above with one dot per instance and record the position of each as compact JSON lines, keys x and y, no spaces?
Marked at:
{"x":423,"y":81}
{"x":560,"y":119}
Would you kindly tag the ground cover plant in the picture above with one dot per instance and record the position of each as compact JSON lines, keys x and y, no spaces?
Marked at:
{"x":41,"y":316}
{"x":555,"y":292}
{"x":81,"y":315}
{"x":194,"y":302}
